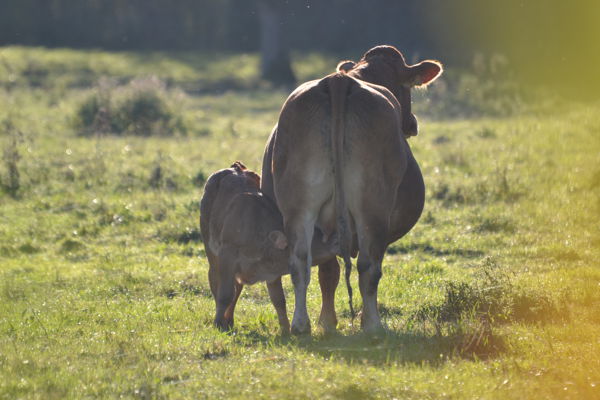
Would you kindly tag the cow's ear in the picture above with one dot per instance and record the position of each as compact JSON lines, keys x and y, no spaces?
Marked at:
{"x":278,"y":239}
{"x":345,"y":66}
{"x":425,"y":72}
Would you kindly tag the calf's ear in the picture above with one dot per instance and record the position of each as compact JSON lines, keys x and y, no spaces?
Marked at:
{"x":345,"y":66}
{"x":278,"y":239}
{"x":425,"y":72}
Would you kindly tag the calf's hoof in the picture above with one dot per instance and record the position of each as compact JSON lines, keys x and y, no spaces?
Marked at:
{"x":284,"y":329}
{"x":224,"y":325}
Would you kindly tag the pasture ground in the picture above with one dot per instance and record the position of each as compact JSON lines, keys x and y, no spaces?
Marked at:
{"x":103,"y":291}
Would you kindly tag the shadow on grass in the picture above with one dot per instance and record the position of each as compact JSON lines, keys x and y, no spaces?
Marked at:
{"x":408,"y":347}
{"x":390,"y":347}
{"x":428,"y":249}
{"x":464,"y":324}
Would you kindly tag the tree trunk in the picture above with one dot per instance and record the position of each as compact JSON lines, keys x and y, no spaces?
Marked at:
{"x":275,"y":58}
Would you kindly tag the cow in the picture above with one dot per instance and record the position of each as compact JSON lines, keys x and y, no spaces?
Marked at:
{"x":244,"y":242}
{"x":338,"y":161}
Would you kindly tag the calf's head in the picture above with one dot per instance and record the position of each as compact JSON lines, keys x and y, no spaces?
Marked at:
{"x":264,"y":252}
{"x":385,"y":66}
{"x":253,"y":227}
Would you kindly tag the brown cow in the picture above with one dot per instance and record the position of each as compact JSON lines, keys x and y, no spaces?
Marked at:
{"x":338,"y":161}
{"x":244,"y":244}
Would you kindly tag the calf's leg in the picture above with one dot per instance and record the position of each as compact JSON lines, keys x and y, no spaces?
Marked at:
{"x":226,"y":294}
{"x":278,"y":299}
{"x":231,"y":308}
{"x":213,"y":268}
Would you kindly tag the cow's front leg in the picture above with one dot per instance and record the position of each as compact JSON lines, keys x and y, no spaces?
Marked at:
{"x":329,"y":277}
{"x":278,"y":299}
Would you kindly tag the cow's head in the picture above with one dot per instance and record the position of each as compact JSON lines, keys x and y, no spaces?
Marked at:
{"x":385,"y":66}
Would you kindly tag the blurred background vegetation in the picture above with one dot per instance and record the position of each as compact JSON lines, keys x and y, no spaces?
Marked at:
{"x":551,"y":42}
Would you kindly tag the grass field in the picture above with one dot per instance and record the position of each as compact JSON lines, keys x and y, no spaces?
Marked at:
{"x":495,"y":293}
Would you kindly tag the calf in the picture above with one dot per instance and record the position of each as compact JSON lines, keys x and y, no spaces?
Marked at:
{"x":244,"y":242}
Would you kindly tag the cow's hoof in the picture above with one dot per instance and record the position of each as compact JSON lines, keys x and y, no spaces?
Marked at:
{"x":372,"y":327}
{"x":376,"y":335}
{"x":301,"y":330}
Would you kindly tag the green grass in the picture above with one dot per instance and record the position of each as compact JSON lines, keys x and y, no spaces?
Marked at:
{"x":103,"y":279}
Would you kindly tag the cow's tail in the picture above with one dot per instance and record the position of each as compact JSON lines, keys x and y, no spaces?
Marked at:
{"x":339,"y":85}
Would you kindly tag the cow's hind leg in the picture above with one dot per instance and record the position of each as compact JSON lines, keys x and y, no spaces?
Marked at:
{"x":300,"y":232}
{"x":278,"y":299}
{"x":372,"y":244}
{"x":329,"y":277}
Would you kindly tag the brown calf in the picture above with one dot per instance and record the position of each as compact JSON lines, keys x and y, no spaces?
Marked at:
{"x":244,"y":243}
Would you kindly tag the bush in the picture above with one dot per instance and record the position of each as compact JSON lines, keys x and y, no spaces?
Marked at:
{"x":491,"y":297}
{"x":142,"y":108}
